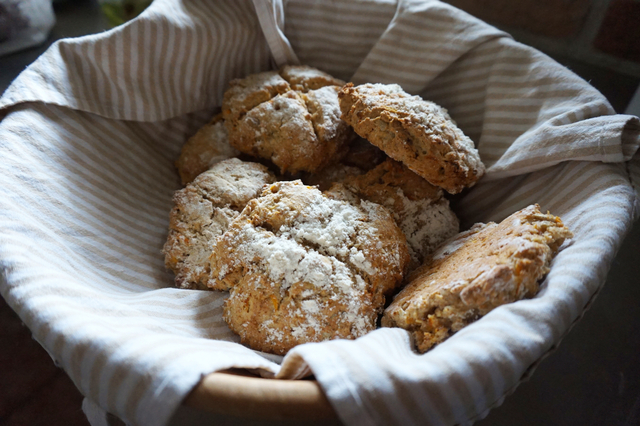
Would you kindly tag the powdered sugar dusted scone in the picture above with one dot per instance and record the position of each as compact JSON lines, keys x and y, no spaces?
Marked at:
{"x":202,"y":212}
{"x":419,"y":208}
{"x":295,"y":124}
{"x":302,"y":267}
{"x":414,"y":131}
{"x":207,"y":147}
{"x":475,"y":272}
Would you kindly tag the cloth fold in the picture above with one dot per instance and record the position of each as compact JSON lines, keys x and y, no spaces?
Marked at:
{"x":88,"y":139}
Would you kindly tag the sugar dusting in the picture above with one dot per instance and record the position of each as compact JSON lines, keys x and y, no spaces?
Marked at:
{"x":315,"y":246}
{"x":426,"y":223}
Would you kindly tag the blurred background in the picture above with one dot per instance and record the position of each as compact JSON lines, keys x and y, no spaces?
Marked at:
{"x":592,"y":378}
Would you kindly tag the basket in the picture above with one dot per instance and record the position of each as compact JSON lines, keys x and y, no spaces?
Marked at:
{"x":89,"y":134}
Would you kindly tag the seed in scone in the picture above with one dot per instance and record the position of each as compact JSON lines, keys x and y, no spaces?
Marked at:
{"x":207,"y":147}
{"x":475,"y":272}
{"x":291,"y":118}
{"x":202,"y":212}
{"x":413,"y":131}
{"x":303,"y":267}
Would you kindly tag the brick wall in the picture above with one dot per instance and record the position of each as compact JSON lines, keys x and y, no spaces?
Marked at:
{"x":605,"y":33}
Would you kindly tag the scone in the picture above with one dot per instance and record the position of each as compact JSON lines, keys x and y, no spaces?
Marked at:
{"x":207,"y":147}
{"x":302,"y":267}
{"x":413,"y":131}
{"x":475,"y":272}
{"x":202,"y":212}
{"x":290,"y":117}
{"x":419,"y":208}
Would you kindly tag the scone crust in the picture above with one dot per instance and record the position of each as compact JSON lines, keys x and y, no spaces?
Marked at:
{"x":280,"y":130}
{"x":302,"y":267}
{"x":295,"y":124}
{"x":475,"y":272}
{"x":416,"y":132}
{"x":207,"y":147}
{"x":202,"y":212}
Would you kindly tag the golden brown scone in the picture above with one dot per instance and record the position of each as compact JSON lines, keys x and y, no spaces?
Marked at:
{"x":419,"y":208}
{"x":298,"y":130}
{"x":202,"y":212}
{"x":302,"y":267}
{"x":475,"y":272}
{"x":207,"y":147}
{"x":414,"y":131}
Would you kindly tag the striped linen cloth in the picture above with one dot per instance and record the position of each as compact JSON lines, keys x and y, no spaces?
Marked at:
{"x":88,"y":139}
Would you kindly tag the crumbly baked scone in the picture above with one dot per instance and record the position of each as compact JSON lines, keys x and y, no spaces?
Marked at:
{"x":303,"y":267}
{"x":419,"y":208}
{"x":295,"y":124}
{"x":203,"y":211}
{"x":207,"y":147}
{"x":475,"y":272}
{"x":416,"y":132}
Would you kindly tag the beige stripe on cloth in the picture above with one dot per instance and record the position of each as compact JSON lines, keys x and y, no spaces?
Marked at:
{"x":88,"y":139}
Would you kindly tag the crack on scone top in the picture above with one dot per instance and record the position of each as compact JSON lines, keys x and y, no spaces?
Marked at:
{"x":292,"y":260}
{"x":272,"y":93}
{"x":314,"y":126}
{"x":233,"y":204}
{"x":294,"y":225}
{"x":293,"y":273}
{"x":195,"y":239}
{"x":304,"y":95}
{"x":352,"y":250}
